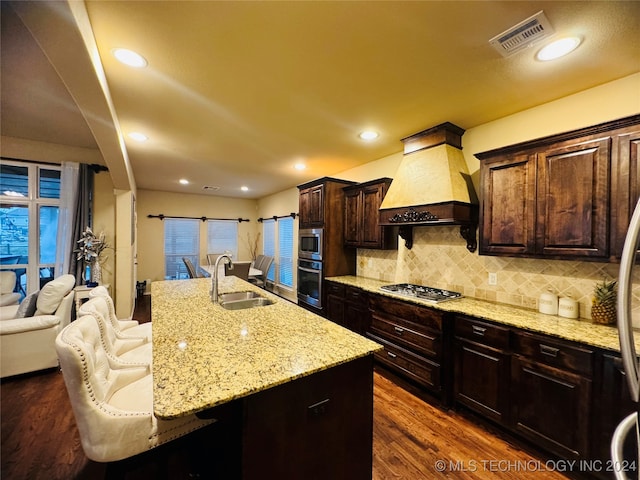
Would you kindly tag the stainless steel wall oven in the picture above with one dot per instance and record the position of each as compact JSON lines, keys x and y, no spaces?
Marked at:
{"x":310,"y":282}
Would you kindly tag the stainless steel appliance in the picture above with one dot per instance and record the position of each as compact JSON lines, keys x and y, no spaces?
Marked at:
{"x":627,"y":347}
{"x":429,"y":294}
{"x":310,"y":243}
{"x":310,"y":282}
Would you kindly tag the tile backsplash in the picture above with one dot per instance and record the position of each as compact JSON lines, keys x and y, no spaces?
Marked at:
{"x":439,"y":258}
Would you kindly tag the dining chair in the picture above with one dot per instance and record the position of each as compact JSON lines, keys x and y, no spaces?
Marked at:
{"x":264,"y":266}
{"x":240,"y":270}
{"x":191,"y":270}
{"x":212,"y":257}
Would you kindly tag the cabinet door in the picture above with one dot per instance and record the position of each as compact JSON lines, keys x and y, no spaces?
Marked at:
{"x":371,"y":200}
{"x":352,"y":218}
{"x":311,"y":207}
{"x":508,"y":209}
{"x":573,"y":199}
{"x":482,"y":380}
{"x":626,"y":188}
{"x":551,"y":407}
{"x":334,"y":302}
{"x":612,"y":402}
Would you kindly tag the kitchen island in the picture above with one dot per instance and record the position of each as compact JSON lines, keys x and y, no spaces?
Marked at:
{"x":299,"y":388}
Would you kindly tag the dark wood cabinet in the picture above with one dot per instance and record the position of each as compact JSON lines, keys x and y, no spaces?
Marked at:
{"x":611,"y":403}
{"x":413,"y":338}
{"x":564,"y":196}
{"x":361,"y":216}
{"x":552,"y":393}
{"x":317,"y":427}
{"x":312,"y":206}
{"x":482,"y":368}
{"x":347,"y":306}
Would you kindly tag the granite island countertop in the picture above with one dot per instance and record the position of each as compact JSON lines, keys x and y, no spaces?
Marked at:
{"x":204,"y":355}
{"x":581,"y":330}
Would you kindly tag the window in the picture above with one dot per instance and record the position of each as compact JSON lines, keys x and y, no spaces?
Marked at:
{"x":278,"y":243}
{"x":29,"y":207}
{"x":269,"y":245}
{"x":285,"y":251}
{"x":222,"y":236}
{"x":181,"y":239}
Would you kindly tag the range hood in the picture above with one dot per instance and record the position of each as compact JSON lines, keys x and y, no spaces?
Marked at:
{"x":432,"y":186}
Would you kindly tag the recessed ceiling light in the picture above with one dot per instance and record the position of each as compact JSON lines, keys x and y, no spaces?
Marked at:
{"x":138,"y":137}
{"x":129,"y":57}
{"x":244,"y":188}
{"x":368,"y":135}
{"x":299,"y":166}
{"x":184,"y":181}
{"x":558,"y":49}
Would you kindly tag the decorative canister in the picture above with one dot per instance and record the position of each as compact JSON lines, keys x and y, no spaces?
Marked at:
{"x":548,"y":303}
{"x":568,"y":307}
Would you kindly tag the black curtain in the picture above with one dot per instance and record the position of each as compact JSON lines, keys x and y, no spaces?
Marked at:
{"x":83,"y":217}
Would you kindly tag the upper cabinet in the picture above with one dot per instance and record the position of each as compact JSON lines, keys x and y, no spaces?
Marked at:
{"x":312,"y":206}
{"x":566,"y":196}
{"x":361,"y":216}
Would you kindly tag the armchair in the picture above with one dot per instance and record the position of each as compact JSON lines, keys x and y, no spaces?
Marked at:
{"x":28,"y":344}
{"x":7,"y":287}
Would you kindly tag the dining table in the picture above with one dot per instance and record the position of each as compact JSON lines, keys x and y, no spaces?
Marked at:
{"x":253,"y":272}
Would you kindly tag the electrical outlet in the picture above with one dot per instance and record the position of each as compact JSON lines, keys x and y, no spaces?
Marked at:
{"x":493,"y":278}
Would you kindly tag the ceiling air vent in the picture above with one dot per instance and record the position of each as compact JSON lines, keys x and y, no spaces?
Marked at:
{"x":522,"y":35}
{"x":210,"y":188}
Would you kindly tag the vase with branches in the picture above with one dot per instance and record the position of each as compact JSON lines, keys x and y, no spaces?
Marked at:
{"x":252,"y":245}
{"x":90,"y":251}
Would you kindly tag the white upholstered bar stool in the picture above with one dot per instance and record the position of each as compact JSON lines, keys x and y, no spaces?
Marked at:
{"x":135,"y":350}
{"x":125,"y":327}
{"x":112,"y":402}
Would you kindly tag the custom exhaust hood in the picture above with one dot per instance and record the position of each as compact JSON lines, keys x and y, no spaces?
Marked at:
{"x":432,"y":186}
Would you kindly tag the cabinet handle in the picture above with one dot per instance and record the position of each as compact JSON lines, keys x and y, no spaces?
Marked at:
{"x":391,"y":354}
{"x":399,"y":330}
{"x":478,"y":330}
{"x":549,"y":351}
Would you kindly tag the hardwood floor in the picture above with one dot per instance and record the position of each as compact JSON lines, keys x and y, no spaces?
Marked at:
{"x":40,"y":439}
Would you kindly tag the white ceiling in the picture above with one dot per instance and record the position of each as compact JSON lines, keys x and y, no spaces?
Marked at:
{"x":237,"y":92}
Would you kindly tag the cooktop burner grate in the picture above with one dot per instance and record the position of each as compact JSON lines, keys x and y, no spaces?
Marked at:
{"x":430,"y":294}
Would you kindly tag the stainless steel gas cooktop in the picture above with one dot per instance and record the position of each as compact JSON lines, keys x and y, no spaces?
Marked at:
{"x":429,"y":294}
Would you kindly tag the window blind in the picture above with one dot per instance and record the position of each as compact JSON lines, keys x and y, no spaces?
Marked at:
{"x":222,"y":236}
{"x":269,"y":244}
{"x":181,"y":239}
{"x":285,"y":251}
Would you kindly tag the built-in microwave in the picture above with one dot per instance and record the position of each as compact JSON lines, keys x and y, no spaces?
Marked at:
{"x":310,"y":243}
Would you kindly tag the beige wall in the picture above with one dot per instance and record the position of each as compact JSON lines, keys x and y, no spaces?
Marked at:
{"x":151,"y":230}
{"x":439,"y":256}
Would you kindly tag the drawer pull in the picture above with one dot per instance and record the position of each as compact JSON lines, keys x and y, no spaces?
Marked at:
{"x":391,"y":354}
{"x":399,"y":330}
{"x":478,"y":330}
{"x":549,"y":351}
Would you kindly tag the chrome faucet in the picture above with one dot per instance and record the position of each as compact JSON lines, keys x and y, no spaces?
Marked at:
{"x":214,"y":276}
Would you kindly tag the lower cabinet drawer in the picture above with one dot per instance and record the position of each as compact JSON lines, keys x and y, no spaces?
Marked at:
{"x":422,"y":370}
{"x":423,"y":341}
{"x":555,"y":353}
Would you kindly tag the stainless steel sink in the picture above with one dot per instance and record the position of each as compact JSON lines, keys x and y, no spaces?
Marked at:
{"x":233,"y":296}
{"x":256,"y":301}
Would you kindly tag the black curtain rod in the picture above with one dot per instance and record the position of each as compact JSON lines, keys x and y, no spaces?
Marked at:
{"x":276,"y":218}
{"x":162,"y":217}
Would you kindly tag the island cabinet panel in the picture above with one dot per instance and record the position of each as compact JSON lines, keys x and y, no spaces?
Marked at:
{"x":361,"y":216}
{"x":611,"y":403}
{"x":414,"y":342}
{"x":318,"y":427}
{"x":482,"y":368}
{"x":552,"y":393}
{"x":564,"y":196}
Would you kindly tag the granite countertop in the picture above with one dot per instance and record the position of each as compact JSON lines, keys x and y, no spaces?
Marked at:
{"x":204,"y":355}
{"x":581,"y":330}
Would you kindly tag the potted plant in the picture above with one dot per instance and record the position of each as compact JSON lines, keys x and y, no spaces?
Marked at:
{"x":603,"y":305}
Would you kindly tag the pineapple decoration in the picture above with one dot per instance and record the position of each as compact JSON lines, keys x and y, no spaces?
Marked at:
{"x":603,"y":306}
